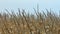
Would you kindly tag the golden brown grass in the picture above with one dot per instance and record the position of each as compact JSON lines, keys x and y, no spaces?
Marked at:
{"x":23,"y":23}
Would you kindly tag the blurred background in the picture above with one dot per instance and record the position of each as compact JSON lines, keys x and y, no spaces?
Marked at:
{"x":28,"y":5}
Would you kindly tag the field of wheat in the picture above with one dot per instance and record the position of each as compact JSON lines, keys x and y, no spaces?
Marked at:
{"x":25,"y":23}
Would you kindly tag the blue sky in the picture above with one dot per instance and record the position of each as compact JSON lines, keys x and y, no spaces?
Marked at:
{"x":30,"y":4}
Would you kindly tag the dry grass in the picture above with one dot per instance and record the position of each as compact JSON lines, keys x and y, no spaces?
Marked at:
{"x":23,"y":23}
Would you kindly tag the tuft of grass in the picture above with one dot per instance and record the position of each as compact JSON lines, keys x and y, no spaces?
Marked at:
{"x":25,"y":23}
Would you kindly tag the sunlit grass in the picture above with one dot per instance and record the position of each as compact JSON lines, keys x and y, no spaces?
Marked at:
{"x":23,"y":23}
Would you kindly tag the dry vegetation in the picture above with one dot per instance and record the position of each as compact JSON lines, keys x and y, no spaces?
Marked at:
{"x":23,"y":23}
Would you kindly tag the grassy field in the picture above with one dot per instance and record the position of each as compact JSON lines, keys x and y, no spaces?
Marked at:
{"x":25,"y":23}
